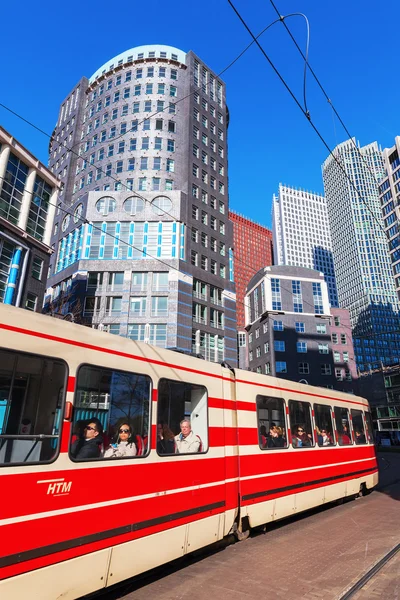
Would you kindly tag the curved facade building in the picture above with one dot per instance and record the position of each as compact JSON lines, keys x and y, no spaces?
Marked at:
{"x":148,"y":170}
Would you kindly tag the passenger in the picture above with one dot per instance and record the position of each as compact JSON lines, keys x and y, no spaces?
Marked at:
{"x":165,"y":439}
{"x":319,"y":436}
{"x":275,"y":438}
{"x":347,"y":433}
{"x":326,"y":438}
{"x":88,"y":445}
{"x":300,"y":438}
{"x":263,"y":436}
{"x":359,"y":437}
{"x":344,"y":439}
{"x":186,"y":441}
{"x":123,"y":445}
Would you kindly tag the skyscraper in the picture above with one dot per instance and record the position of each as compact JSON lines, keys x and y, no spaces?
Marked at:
{"x":253,"y":250}
{"x":363,"y":274}
{"x":389,"y":198}
{"x":302,"y":235}
{"x":147,"y":253}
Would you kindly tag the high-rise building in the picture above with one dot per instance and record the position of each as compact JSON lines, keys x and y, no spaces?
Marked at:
{"x":389,"y":195}
{"x":28,"y":197}
{"x":301,"y":234}
{"x":148,"y":251}
{"x":364,"y":279}
{"x":252,"y":244}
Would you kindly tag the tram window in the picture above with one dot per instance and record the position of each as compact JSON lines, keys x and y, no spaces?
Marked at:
{"x":369,"y":427}
{"x":182,"y":421}
{"x":343,"y":426}
{"x":358,"y":427}
{"x":300,"y":424}
{"x":323,"y":424}
{"x":271,"y":423}
{"x":32,"y":391}
{"x":111,"y":414}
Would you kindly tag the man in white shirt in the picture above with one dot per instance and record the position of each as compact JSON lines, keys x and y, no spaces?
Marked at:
{"x":186,"y":441}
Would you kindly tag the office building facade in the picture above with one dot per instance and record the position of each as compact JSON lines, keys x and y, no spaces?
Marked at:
{"x":28,"y":197}
{"x":301,"y":234}
{"x":288,"y":322}
{"x":146,"y":251}
{"x":364,"y":277}
{"x":252,"y":244}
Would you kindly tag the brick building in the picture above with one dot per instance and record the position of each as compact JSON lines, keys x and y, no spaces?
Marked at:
{"x":252,"y":250}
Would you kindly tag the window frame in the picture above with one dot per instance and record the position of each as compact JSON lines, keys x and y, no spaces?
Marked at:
{"x":62,"y":407}
{"x":101,"y":458}
{"x":286,"y":445}
{"x":333,"y":426}
{"x":203,"y":452}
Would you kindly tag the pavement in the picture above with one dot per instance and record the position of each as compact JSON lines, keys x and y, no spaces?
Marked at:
{"x":316,"y":556}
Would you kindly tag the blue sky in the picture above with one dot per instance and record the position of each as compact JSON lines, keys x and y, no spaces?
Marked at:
{"x":353,"y":50}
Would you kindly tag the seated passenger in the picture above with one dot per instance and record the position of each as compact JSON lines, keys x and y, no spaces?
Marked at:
{"x":319,"y":436}
{"x":263,"y":436}
{"x":359,"y":437}
{"x":300,"y":438}
{"x":123,"y":444}
{"x":275,"y":437}
{"x":88,"y":444}
{"x":186,"y":440}
{"x":165,"y":439}
{"x":344,"y":439}
{"x":326,"y":438}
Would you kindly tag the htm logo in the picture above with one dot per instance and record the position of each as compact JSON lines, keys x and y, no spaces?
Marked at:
{"x":57,"y":487}
{"x":64,"y":487}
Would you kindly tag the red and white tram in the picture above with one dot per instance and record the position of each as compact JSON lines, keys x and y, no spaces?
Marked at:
{"x":70,"y":526}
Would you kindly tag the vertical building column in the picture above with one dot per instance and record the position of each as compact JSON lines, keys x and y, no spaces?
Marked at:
{"x":50,"y":217}
{"x":4,"y":156}
{"x":26,"y":199}
{"x":13,"y":276}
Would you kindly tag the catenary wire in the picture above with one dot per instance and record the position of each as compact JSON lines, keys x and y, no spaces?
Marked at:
{"x":308,"y":117}
{"x":328,"y":99}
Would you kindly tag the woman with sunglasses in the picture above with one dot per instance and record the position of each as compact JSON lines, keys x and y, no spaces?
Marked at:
{"x":300,"y":439}
{"x":124,"y":444}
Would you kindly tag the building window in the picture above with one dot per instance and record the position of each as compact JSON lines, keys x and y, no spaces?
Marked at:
{"x":304,"y":368}
{"x":139,"y":282}
{"x":279,"y":346}
{"x":336,"y":357}
{"x":31,"y":301}
{"x":276,"y":294}
{"x":159,"y":306}
{"x":321,"y":328}
{"x":278,"y":326}
{"x":301,"y":347}
{"x":300,"y":327}
{"x":336,"y":320}
{"x":138,"y":306}
{"x":334,"y":338}
{"x":158,"y":334}
{"x":325,"y":369}
{"x":37,"y":268}
{"x":323,"y":348}
{"x":343,"y":338}
{"x":281,"y":366}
